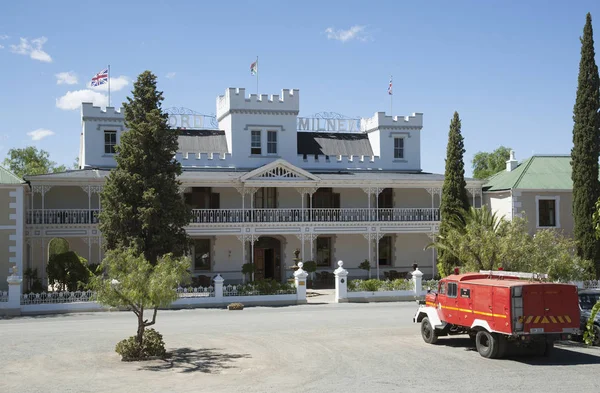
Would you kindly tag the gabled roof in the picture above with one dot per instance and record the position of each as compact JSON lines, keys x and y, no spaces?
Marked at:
{"x":279,"y":170}
{"x":7,"y":177}
{"x":539,"y":172}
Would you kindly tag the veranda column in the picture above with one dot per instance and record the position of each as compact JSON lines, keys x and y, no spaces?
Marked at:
{"x":313,"y":237}
{"x":433,"y":265}
{"x":253,"y":238}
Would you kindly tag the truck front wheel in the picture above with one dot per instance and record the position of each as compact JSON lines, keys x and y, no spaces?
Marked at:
{"x":428,"y":331}
{"x":487,"y":344}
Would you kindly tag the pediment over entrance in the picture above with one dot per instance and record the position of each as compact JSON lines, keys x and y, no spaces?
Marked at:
{"x":279,"y":170}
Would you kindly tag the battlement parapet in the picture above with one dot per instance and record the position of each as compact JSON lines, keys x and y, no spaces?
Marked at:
{"x":235,"y":99}
{"x":380,"y":120}
{"x":88,"y":110}
{"x":189,"y":159}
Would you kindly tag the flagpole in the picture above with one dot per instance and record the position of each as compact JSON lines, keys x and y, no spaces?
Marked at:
{"x":109,"y":85}
{"x":257,"y":76}
{"x":391,"y":98}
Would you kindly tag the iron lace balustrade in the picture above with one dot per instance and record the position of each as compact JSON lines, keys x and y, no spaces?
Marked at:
{"x":62,"y":216}
{"x":215,"y":216}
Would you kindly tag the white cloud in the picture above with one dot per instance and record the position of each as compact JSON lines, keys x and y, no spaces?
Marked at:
{"x":66,"y":78}
{"x":355,"y":32}
{"x":33,"y":49}
{"x":73,"y":99}
{"x":1,"y":46}
{"x":40,"y":134}
{"x":4,"y":37}
{"x":171,"y":75}
{"x":116,"y":84}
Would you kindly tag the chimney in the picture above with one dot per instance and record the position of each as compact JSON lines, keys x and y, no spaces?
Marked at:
{"x":511,"y":164}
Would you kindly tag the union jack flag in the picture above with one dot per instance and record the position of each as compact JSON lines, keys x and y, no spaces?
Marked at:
{"x":390,"y":87}
{"x":100,"y":78}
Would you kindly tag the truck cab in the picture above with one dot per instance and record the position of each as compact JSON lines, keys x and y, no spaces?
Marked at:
{"x":500,"y":310}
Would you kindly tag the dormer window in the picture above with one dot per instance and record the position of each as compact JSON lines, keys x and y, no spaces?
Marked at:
{"x":110,"y":141}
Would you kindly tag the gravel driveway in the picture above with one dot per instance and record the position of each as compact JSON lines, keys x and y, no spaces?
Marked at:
{"x":311,"y":348}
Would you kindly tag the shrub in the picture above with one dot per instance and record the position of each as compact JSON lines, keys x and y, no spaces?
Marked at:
{"x":365,"y":265}
{"x":265,"y":287}
{"x":235,"y":306}
{"x":374,"y":285}
{"x":68,"y":270}
{"x":152,"y":346}
{"x":310,"y":266}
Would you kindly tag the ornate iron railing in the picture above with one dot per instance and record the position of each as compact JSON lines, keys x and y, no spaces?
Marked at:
{"x":58,"y":297}
{"x":62,"y":216}
{"x":232,"y":216}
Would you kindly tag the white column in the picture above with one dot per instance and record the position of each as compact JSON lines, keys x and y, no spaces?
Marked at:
{"x":313,"y":237}
{"x":300,"y":281}
{"x":417,"y":277}
{"x":302,"y":246}
{"x":341,"y":283}
{"x":14,"y":293}
{"x":218,"y":287}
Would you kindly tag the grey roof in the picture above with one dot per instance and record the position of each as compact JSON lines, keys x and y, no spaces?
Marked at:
{"x":73,"y":174}
{"x":334,"y":144}
{"x":202,"y":141}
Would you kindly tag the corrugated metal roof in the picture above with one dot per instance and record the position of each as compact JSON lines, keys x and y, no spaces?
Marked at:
{"x":539,"y":172}
{"x":334,"y":144}
{"x":202,"y":141}
{"x":7,"y":177}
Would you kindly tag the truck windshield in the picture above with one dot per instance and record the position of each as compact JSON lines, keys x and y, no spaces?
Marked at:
{"x":587,"y":300}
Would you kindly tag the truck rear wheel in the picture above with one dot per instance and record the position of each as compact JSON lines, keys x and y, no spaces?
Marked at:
{"x":428,"y":331}
{"x":487,"y":344}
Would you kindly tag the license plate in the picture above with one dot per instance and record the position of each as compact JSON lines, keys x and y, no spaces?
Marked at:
{"x":536,"y":330}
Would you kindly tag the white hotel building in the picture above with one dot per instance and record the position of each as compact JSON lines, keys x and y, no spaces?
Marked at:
{"x":262,"y":183}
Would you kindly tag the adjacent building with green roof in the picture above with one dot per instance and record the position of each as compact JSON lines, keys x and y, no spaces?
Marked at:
{"x":12,"y":215}
{"x":539,"y":188}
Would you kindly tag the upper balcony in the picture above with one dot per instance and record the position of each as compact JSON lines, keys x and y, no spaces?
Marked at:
{"x":240,"y":216}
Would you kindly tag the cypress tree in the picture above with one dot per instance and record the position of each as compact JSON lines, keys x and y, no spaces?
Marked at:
{"x":454,"y":192}
{"x":142,"y":207}
{"x":586,"y":148}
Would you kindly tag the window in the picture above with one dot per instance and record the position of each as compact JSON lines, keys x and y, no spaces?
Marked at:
{"x":202,"y":254}
{"x":547,"y":212}
{"x":271,"y":142}
{"x":255,"y":143}
{"x":452,"y":289}
{"x":442,"y":289}
{"x":385,"y":251}
{"x":399,"y":148}
{"x":323,"y":251}
{"x":265,"y":198}
{"x":202,"y":198}
{"x":324,"y":198}
{"x":385,"y":200}
{"x":110,"y":141}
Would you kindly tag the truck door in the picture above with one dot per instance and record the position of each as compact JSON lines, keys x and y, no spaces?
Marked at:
{"x":482,"y":303}
{"x":452,"y":309}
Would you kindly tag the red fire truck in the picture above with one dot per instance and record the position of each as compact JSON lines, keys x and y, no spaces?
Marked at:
{"x":501,"y":310}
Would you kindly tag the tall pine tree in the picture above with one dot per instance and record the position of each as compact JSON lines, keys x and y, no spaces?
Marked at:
{"x":142,"y":207}
{"x":586,"y":148}
{"x":454,"y":192}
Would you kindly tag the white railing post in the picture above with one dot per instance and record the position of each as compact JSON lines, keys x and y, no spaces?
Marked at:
{"x":13,"y":306}
{"x":417,"y":277}
{"x":300,"y":280}
{"x":341,"y":283}
{"x":218,"y":287}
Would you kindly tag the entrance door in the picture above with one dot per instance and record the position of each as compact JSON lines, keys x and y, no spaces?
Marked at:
{"x":269,"y":263}
{"x":259,"y":263}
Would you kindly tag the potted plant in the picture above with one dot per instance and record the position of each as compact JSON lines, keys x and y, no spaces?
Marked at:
{"x":365,"y":265}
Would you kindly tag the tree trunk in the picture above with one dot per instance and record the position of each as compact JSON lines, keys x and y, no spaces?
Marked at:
{"x":140,"y":330}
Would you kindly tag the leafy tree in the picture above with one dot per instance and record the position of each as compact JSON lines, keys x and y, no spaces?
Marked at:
{"x":487,"y":164}
{"x":30,"y":161}
{"x":481,"y":241}
{"x":130,"y":280}
{"x":586,"y":149}
{"x":142,"y":206}
{"x":58,"y":245}
{"x":68,"y":271}
{"x":454,"y":192}
{"x":76,"y":163}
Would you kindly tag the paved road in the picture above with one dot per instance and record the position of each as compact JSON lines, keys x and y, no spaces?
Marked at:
{"x":312,"y":348}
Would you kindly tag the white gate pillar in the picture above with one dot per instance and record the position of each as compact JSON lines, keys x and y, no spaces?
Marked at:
{"x":341,"y":283}
{"x":300,"y":281}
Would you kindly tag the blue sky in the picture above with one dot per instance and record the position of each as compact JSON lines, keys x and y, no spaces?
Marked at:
{"x":508,"y":67}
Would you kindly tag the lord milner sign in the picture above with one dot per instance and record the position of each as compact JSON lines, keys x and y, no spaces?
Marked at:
{"x":329,"y":122}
